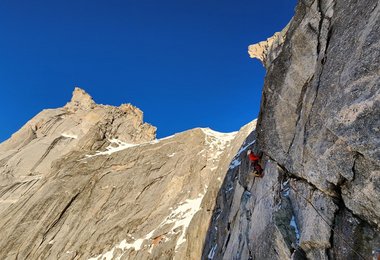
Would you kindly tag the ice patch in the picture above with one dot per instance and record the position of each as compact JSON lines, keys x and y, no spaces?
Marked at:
{"x":211,"y":254}
{"x":285,"y":189}
{"x":244,"y":148}
{"x":235,"y":163}
{"x":229,"y":189}
{"x":294,"y":225}
{"x":285,"y":183}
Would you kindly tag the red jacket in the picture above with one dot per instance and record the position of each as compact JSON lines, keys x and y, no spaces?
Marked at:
{"x":253,"y":157}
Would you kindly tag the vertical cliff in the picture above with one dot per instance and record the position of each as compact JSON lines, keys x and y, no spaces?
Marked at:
{"x":319,"y":131}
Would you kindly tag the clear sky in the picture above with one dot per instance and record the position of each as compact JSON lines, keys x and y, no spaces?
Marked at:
{"x":184,"y":63}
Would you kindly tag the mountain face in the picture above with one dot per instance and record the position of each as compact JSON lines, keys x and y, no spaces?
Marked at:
{"x":89,"y":181}
{"x":81,"y":124}
{"x":319,"y":132}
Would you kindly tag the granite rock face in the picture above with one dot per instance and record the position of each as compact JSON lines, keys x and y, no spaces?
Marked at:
{"x":318,"y":130}
{"x":320,"y":116}
{"x":89,"y":181}
{"x":80,"y":125}
{"x":268,"y":50}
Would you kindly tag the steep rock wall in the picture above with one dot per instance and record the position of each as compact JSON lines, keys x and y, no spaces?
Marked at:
{"x":319,"y":131}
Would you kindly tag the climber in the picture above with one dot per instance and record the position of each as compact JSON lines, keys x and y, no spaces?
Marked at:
{"x":254,"y":163}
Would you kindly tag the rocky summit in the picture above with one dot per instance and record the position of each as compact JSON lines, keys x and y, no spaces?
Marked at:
{"x":90,"y":181}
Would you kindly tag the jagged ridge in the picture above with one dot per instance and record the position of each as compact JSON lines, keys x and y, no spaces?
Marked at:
{"x":91,"y":181}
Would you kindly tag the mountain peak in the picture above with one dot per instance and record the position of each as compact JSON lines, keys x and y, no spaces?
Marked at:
{"x":80,"y":99}
{"x":268,"y":50}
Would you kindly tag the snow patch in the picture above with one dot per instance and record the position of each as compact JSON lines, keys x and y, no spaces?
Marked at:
{"x":135,"y":245}
{"x":221,"y":136}
{"x":216,"y":143}
{"x":118,"y":145}
{"x":123,"y":245}
{"x":180,"y":217}
{"x":165,"y":138}
{"x":115,"y":146}
{"x":156,"y":141}
{"x":69,"y":136}
{"x":171,"y":155}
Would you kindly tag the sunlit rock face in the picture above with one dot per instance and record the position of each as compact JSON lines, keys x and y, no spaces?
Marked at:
{"x":268,"y":50}
{"x":318,"y":129}
{"x":91,"y":181}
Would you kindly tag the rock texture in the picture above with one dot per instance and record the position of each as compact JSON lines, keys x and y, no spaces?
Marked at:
{"x":89,"y":181}
{"x":319,"y":131}
{"x":267,"y":51}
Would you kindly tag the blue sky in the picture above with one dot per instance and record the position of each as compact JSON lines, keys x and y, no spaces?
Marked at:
{"x":183,"y":62}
